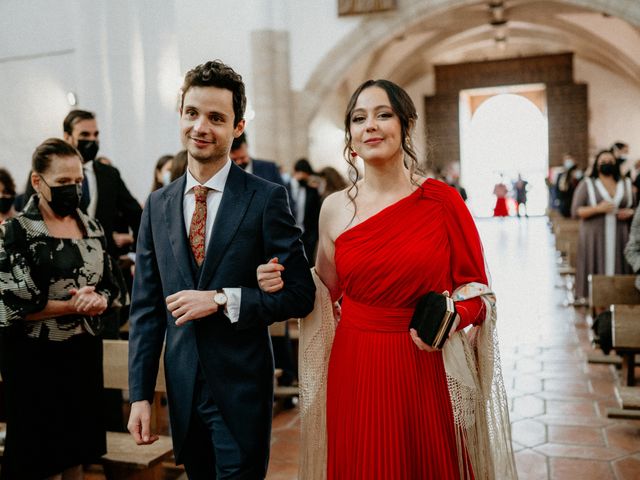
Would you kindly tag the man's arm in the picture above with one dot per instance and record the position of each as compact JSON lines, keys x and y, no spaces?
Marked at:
{"x":281,"y":239}
{"x":146,"y":334}
{"x":148,"y":316}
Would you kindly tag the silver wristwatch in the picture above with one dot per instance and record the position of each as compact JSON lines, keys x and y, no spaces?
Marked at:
{"x":220,"y":298}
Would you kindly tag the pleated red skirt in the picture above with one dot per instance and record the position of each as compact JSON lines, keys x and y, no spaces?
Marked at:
{"x":388,"y":407}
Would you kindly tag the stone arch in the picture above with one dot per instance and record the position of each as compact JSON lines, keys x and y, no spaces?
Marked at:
{"x":378,"y":29}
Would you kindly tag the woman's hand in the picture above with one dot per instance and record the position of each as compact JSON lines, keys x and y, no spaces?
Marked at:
{"x":605,"y":207}
{"x":86,"y":301}
{"x":270,"y":277}
{"x":625,"y":214}
{"x":337,"y":312}
{"x":428,"y":348}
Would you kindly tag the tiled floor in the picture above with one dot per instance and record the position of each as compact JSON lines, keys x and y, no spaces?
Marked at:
{"x":557,"y":399}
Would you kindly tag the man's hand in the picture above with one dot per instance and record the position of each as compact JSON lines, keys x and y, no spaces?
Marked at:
{"x":188,"y":305}
{"x":122,"y":239}
{"x":140,"y":423}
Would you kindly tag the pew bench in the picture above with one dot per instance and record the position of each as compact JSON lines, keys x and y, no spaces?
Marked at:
{"x":625,"y":329}
{"x":607,"y":290}
{"x":124,"y":459}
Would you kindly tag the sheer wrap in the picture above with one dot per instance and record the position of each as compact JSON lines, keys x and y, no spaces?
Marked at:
{"x":474,"y":378}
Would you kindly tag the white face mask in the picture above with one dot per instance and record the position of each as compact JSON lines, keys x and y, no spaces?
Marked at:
{"x":166,"y":177}
{"x":568,"y":163}
{"x":578,"y":174}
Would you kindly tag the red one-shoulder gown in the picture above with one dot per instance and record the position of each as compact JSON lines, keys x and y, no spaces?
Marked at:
{"x":388,"y":409}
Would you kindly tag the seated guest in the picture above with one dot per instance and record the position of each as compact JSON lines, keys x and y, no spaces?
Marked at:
{"x":632,"y":250}
{"x":604,"y":203}
{"x":7,"y":195}
{"x":261,"y":168}
{"x":178,"y":165}
{"x":162,"y":172}
{"x":56,"y":281}
{"x":333,"y":182}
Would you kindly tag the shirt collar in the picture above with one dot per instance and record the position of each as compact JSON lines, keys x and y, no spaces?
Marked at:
{"x":88,"y":165}
{"x":216,"y":182}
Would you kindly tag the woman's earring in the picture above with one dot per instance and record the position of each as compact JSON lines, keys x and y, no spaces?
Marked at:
{"x":353,"y":154}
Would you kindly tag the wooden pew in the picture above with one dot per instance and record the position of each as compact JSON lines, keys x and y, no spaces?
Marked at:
{"x":625,"y":327}
{"x":607,"y":290}
{"x":278,"y":329}
{"x":124,"y":459}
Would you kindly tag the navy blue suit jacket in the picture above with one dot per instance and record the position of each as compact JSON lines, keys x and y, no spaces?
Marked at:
{"x":253,"y":224}
{"x":267,"y":170}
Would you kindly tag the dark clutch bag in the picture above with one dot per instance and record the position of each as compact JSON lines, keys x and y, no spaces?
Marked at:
{"x":433,"y":318}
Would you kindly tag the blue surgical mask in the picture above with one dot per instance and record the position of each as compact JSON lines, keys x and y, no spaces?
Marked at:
{"x":166,"y":177}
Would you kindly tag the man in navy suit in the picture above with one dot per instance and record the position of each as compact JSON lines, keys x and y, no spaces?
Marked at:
{"x":261,"y":168}
{"x":201,"y":240}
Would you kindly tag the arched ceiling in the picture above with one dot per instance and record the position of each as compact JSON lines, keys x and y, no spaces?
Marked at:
{"x":533,"y":27}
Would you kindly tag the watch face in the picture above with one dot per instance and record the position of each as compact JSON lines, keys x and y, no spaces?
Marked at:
{"x":220,"y":298}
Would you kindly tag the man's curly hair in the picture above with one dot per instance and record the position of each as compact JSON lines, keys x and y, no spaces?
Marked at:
{"x":216,"y":74}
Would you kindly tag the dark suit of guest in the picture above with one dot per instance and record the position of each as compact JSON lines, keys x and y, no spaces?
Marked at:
{"x":115,"y":205}
{"x":309,"y":219}
{"x":231,"y":362}
{"x":267,"y":170}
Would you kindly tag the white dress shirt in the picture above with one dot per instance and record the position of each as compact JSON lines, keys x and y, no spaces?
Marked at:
{"x":93,"y":188}
{"x":214,"y":196}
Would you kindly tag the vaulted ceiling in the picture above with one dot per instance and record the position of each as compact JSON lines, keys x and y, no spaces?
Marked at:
{"x":533,"y":27}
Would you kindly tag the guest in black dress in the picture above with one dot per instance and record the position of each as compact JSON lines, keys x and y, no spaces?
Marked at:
{"x":56,"y":280}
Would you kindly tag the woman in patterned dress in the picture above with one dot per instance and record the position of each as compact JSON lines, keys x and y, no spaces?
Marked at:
{"x":56,"y":279}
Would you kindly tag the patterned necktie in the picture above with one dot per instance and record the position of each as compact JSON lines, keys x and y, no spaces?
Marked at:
{"x":198,"y":224}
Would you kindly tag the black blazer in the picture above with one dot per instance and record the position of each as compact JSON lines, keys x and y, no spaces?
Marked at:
{"x":253,"y":225}
{"x":267,"y":170}
{"x":311,"y":216}
{"x":116,"y":206}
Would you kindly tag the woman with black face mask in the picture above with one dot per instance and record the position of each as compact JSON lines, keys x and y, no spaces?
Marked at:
{"x":56,"y":280}
{"x":7,"y":195}
{"x":604,"y":202}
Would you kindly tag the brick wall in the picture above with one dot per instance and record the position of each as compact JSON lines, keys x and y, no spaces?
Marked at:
{"x":567,"y":107}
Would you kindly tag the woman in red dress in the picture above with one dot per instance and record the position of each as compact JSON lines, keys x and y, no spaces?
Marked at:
{"x":500,"y":190}
{"x":385,"y":242}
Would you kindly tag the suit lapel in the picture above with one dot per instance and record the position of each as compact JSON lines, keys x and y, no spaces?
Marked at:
{"x":174,"y":219}
{"x":233,"y":207}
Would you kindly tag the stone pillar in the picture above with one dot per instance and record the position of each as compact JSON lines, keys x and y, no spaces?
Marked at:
{"x":272,"y":127}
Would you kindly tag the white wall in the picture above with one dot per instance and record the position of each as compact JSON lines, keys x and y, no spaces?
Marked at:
{"x":614,"y":113}
{"x":125,"y":61}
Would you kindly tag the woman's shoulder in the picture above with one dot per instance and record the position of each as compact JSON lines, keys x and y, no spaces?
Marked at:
{"x":336,"y":202}
{"x":439,"y":191}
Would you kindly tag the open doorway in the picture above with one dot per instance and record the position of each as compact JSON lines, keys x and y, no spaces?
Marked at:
{"x":503,"y":134}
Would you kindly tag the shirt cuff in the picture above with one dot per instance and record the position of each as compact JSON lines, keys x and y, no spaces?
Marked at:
{"x":232,"y":308}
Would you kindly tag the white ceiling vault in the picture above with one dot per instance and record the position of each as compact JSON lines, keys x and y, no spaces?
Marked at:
{"x":533,"y":27}
{"x":405,"y":45}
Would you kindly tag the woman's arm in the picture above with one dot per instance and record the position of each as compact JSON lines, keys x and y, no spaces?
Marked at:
{"x":601,"y":209}
{"x":325,"y":259}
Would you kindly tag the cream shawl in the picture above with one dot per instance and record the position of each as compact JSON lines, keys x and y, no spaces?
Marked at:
{"x":474,"y":376}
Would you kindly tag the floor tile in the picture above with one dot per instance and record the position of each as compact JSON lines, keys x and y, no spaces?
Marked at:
{"x":570,"y":469}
